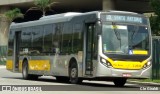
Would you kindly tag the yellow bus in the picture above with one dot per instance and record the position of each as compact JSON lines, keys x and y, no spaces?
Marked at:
{"x":113,"y":45}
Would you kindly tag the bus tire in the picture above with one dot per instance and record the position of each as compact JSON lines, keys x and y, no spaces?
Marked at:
{"x":73,"y":74}
{"x":25,"y":73}
{"x":119,"y":82}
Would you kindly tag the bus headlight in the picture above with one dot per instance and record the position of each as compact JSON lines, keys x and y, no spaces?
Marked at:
{"x":147,"y":65}
{"x":105,"y":62}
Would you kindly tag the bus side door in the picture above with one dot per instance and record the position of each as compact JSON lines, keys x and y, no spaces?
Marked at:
{"x":89,"y":48}
{"x":17,"y":39}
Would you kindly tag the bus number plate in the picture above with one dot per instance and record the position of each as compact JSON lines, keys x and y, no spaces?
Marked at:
{"x":126,"y":75}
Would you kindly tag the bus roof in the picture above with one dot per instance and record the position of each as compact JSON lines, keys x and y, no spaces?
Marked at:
{"x":64,"y":17}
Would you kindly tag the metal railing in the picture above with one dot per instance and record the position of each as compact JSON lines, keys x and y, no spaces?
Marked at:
{"x":156,"y":58}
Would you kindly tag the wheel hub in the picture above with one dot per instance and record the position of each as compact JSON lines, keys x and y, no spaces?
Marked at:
{"x":73,"y":72}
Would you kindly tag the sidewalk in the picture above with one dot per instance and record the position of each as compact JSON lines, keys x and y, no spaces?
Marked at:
{"x":144,"y":83}
{"x":2,"y":66}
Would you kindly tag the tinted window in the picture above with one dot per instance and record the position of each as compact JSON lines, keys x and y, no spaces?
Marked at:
{"x":37,"y":35}
{"x":67,"y":36}
{"x":48,"y":33}
{"x":26,"y":36}
{"x":57,"y":38}
{"x":10,"y":44}
{"x":77,"y":37}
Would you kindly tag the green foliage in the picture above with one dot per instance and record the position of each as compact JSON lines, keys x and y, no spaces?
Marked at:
{"x":13,"y":14}
{"x":156,"y":6}
{"x":43,"y":5}
{"x":155,"y":20}
{"x":155,"y":25}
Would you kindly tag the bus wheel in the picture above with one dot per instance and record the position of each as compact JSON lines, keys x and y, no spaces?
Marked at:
{"x":73,"y":74}
{"x":25,"y":70}
{"x":119,"y":82}
{"x":25,"y":74}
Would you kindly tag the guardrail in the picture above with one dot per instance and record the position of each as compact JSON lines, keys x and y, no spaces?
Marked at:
{"x":156,"y":58}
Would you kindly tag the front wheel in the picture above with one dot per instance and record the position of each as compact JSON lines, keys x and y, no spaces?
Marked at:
{"x":25,"y":73}
{"x":73,"y":74}
{"x":120,"y":82}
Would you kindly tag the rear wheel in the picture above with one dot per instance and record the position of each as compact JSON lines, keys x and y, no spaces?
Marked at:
{"x":25,"y":73}
{"x":120,"y":82}
{"x":73,"y":74}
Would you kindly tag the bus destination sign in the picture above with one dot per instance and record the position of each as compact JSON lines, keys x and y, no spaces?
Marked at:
{"x":125,"y":18}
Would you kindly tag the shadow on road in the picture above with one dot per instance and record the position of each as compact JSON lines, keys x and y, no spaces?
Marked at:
{"x":82,"y":85}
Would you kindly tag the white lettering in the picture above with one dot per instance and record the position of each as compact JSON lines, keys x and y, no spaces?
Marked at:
{"x":124,"y":18}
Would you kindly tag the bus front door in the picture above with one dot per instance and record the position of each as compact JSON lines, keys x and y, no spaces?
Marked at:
{"x":16,"y":51}
{"x":89,"y":47}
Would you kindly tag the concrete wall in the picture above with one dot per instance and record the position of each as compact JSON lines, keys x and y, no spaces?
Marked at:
{"x":10,"y":2}
{"x":108,"y":5}
{"x":4,"y":26}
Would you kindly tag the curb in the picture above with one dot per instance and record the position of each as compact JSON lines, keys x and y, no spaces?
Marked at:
{"x":144,"y":83}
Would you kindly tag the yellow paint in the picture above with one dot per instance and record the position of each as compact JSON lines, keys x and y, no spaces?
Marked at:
{"x":20,"y":66}
{"x":127,"y":64}
{"x":33,"y":65}
{"x":140,"y":52}
{"x":114,"y":27}
{"x":9,"y":65}
{"x":39,"y":65}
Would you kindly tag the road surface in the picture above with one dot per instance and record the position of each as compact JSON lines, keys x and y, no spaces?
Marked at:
{"x":49,"y":85}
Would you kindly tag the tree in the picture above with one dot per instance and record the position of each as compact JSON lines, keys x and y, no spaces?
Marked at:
{"x":155,"y":20}
{"x":13,"y":14}
{"x":6,"y":20}
{"x":42,"y":5}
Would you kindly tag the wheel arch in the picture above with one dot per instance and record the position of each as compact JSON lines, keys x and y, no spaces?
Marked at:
{"x":23,"y":61}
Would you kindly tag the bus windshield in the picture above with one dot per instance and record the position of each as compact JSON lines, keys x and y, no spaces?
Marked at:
{"x":125,"y":39}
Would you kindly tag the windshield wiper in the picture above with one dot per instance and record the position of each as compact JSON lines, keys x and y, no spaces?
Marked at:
{"x":136,"y":28}
{"x":134,"y":32}
{"x":116,"y":33}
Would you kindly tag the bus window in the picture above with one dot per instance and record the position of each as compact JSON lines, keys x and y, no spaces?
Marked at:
{"x":26,"y":38}
{"x":67,"y":36}
{"x":57,"y":38}
{"x":37,"y":35}
{"x":10,"y":44}
{"x":48,"y":33}
{"x":77,"y":38}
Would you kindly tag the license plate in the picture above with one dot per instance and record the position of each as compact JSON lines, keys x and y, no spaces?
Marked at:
{"x":126,"y":75}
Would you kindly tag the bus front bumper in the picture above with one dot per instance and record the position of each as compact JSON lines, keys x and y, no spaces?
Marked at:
{"x":103,"y":71}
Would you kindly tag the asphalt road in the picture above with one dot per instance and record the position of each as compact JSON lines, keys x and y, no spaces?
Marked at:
{"x":48,"y":85}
